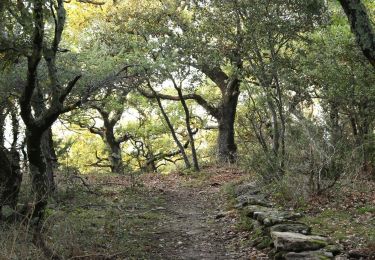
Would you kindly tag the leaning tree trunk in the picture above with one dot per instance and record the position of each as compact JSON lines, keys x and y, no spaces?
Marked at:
{"x":227,"y":148}
{"x":188,"y":126}
{"x":173,"y":133}
{"x":170,"y":126}
{"x":361,"y":26}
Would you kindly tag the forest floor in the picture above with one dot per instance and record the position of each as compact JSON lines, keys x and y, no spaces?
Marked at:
{"x":199,"y":223}
{"x":155,"y":216}
{"x":174,"y":216}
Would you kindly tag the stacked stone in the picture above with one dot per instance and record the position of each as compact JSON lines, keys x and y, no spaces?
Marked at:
{"x":281,"y":230}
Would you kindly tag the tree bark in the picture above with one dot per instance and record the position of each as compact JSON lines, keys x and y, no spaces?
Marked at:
{"x":36,"y":126}
{"x":227,"y":148}
{"x":50,"y":158}
{"x":114,"y":148}
{"x":107,"y":134}
{"x":37,"y":166}
{"x":47,"y":147}
{"x":361,"y":26}
{"x":3,"y":115}
{"x":226,"y":111}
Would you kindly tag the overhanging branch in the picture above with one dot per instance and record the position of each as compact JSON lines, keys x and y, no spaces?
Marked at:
{"x":213,"y":111}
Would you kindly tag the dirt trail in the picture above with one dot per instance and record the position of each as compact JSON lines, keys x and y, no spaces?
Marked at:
{"x":194,"y":226}
{"x":191,"y":231}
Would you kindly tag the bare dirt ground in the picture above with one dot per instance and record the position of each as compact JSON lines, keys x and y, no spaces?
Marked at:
{"x":197,"y":224}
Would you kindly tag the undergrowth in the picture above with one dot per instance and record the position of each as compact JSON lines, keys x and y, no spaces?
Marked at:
{"x":110,"y":220}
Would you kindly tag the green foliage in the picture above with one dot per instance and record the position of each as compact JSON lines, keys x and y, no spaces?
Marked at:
{"x":343,"y":225}
{"x":82,"y":152}
{"x":366,"y":209}
{"x":304,"y":117}
{"x":118,"y":220}
{"x":287,"y":193}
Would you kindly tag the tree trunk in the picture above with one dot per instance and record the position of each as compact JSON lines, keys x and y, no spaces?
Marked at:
{"x":188,"y":127}
{"x":170,"y":126}
{"x":225,"y":113}
{"x":115,"y":156}
{"x":227,"y":148}
{"x":16,"y":177}
{"x":361,"y":26}
{"x":275,"y":127}
{"x":50,"y":157}
{"x":47,"y":147}
{"x":3,"y":115}
{"x":10,"y":171}
{"x":113,"y":145}
{"x":5,"y":173}
{"x":37,"y":165}
{"x":366,"y":141}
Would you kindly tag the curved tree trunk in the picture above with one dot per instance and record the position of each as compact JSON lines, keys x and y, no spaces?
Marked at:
{"x":361,"y":26}
{"x":225,"y":114}
{"x":37,"y":125}
{"x":170,"y":126}
{"x":113,"y":145}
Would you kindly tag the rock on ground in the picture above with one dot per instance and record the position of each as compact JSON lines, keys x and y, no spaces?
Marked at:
{"x":295,"y":242}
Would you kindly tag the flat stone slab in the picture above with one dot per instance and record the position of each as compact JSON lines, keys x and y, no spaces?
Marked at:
{"x":295,"y":242}
{"x":292,"y":227}
{"x":270,"y":217}
{"x":309,"y":255}
{"x":249,"y":188}
{"x":248,"y":199}
{"x":274,"y":217}
{"x":251,"y":209}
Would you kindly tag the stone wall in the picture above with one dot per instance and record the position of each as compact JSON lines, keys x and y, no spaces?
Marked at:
{"x":281,"y":230}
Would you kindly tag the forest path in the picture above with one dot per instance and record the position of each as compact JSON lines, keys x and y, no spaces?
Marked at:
{"x":195,"y":226}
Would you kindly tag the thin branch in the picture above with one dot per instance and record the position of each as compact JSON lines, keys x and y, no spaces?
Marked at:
{"x":213,"y":111}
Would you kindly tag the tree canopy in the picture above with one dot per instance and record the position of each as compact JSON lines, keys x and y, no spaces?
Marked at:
{"x":280,"y":88}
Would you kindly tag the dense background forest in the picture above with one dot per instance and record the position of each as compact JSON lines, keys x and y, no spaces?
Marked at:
{"x":95,"y":91}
